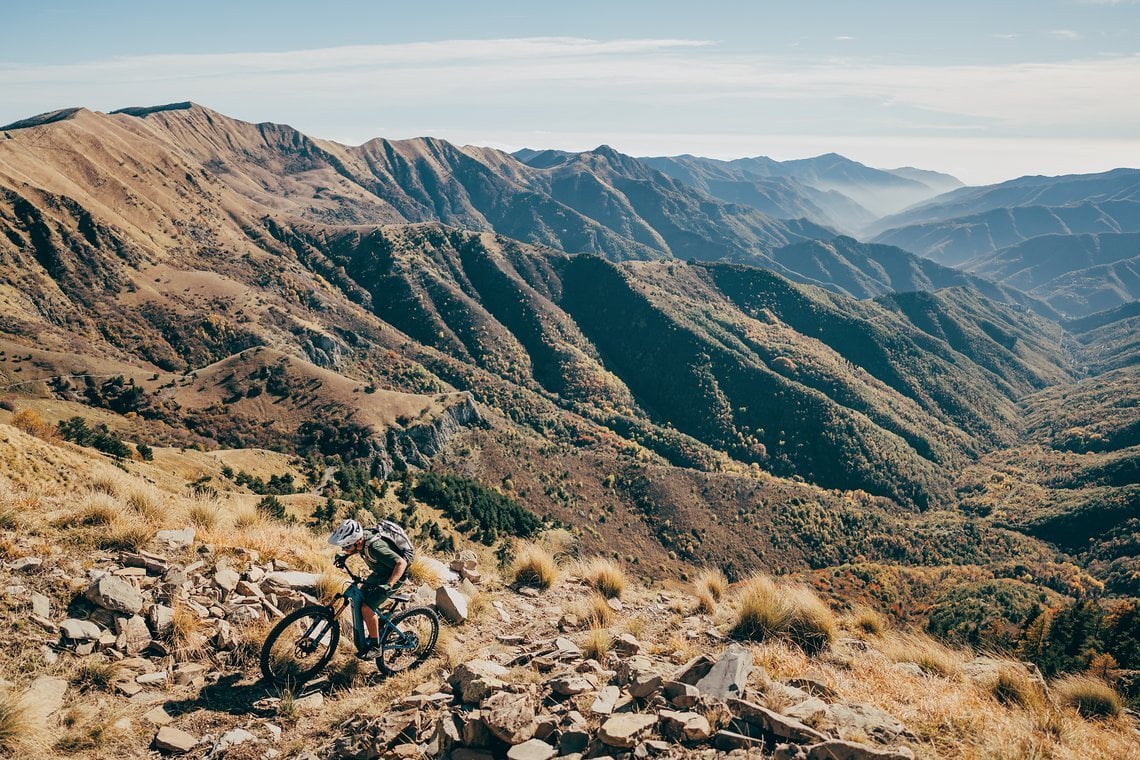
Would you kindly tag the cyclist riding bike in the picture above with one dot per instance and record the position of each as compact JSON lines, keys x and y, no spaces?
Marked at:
{"x":387,"y":568}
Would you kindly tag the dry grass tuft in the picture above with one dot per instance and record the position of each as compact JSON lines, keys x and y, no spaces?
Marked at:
{"x":706,"y":603}
{"x":249,"y":641}
{"x":593,"y":611}
{"x":329,"y":585}
{"x":868,"y":621}
{"x":422,"y":571}
{"x":106,"y":484}
{"x":95,"y":509}
{"x":148,"y":504}
{"x":597,"y":644}
{"x":95,"y":673}
{"x":1014,"y":687}
{"x":448,"y":649}
{"x":187,"y":633}
{"x":126,"y":533}
{"x":767,"y":610}
{"x":932,"y":656}
{"x":20,"y":730}
{"x":88,"y":727}
{"x":711,"y":582}
{"x":534,"y":566}
{"x":203,"y":514}
{"x":1089,"y":696}
{"x":559,"y":542}
{"x":605,"y":576}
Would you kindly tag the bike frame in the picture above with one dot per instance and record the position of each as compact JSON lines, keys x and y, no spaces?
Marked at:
{"x":352,"y":597}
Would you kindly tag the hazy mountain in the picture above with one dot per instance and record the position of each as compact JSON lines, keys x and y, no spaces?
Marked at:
{"x":1076,"y":274}
{"x":1109,"y":339}
{"x":958,"y":240}
{"x":837,"y":191}
{"x":866,"y":270}
{"x":230,"y":274}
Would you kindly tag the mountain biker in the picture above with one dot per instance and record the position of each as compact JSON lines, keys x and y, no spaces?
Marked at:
{"x":387,"y":566}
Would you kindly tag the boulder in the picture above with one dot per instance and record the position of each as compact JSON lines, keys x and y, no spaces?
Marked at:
{"x":837,"y":749}
{"x":47,"y":693}
{"x":694,"y":670}
{"x":728,"y":677}
{"x":115,"y":594}
{"x":41,"y":605}
{"x":773,"y":723}
{"x":451,"y":603}
{"x":134,"y":636}
{"x":26,"y":564}
{"x":684,"y":726}
{"x":811,"y":711}
{"x":161,"y":619}
{"x":605,"y":701}
{"x":627,"y":645}
{"x":176,"y":539}
{"x":291,"y":580}
{"x":476,"y":680}
{"x":865,"y":721}
{"x":569,"y":686}
{"x":627,"y":730}
{"x":226,"y":579}
{"x":228,"y":741}
{"x":174,"y":741}
{"x":681,"y":695}
{"x":533,"y":749}
{"x":510,"y":717}
{"x":75,"y":630}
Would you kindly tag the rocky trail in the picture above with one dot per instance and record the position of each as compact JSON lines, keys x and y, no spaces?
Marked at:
{"x":167,"y":638}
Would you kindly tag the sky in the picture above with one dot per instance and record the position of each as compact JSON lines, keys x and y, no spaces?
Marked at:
{"x":986,"y":91}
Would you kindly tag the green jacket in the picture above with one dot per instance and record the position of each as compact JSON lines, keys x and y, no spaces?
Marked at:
{"x":379,"y":555}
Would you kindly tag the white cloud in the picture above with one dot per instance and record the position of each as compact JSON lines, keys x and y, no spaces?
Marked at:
{"x":1066,"y":34}
{"x":484,"y":88}
{"x":843,"y":38}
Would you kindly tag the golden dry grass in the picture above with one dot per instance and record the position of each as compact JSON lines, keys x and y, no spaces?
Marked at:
{"x":94,"y":508}
{"x":203,"y":514}
{"x":1013,"y":686}
{"x":596,"y":644}
{"x":422,"y":571}
{"x":30,"y":421}
{"x":934,"y":657}
{"x":711,"y":582}
{"x":534,"y":566}
{"x":868,"y":621}
{"x":187,"y":633}
{"x":592,"y":610}
{"x":1088,"y":695}
{"x":148,"y":503}
{"x":766,"y":609}
{"x":706,"y":603}
{"x":605,"y":576}
{"x":95,"y":672}
{"x":21,"y":732}
{"x":126,"y":533}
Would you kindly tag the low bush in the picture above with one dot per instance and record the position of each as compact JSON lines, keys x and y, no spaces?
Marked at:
{"x":605,"y":576}
{"x":534,"y":566}
{"x":767,"y":610}
{"x":1089,"y":696}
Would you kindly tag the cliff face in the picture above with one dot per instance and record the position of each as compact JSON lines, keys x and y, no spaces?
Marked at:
{"x":418,"y":443}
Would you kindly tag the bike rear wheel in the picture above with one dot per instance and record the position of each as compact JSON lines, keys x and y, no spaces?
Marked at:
{"x":411,"y":641}
{"x":300,"y":646}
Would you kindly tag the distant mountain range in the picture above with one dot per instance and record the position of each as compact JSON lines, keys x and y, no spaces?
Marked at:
{"x":611,"y":343}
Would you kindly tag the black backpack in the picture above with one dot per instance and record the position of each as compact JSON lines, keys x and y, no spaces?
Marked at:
{"x":397,"y":538}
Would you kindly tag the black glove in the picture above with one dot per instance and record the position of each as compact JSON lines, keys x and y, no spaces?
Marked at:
{"x":341,"y":561}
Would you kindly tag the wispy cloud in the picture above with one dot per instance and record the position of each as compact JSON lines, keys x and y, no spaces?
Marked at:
{"x":487,"y":87}
{"x":1065,"y":34}
{"x":843,"y":38}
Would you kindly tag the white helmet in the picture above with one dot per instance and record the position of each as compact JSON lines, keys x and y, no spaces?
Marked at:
{"x":346,"y":534}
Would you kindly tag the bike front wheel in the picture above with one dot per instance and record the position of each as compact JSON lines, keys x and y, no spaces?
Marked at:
{"x":409,"y":641}
{"x":299,"y":646}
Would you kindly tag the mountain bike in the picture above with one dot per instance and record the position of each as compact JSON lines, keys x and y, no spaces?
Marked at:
{"x":304,"y":641}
